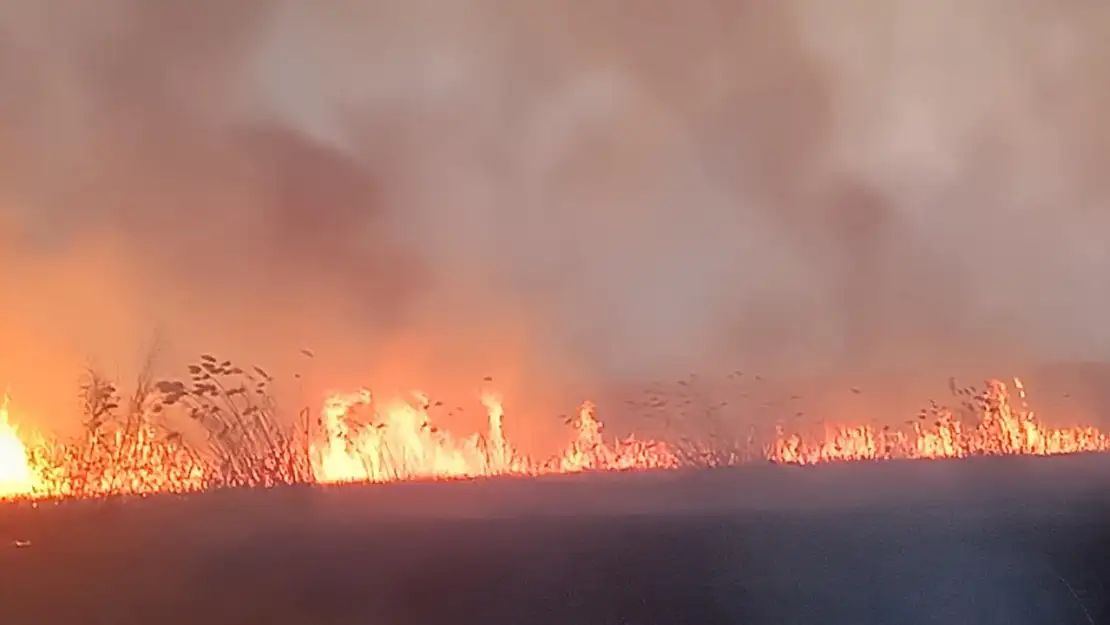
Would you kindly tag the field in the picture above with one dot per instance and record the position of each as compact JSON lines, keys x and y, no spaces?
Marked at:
{"x":1010,"y":540}
{"x":240,"y":437}
{"x":975,"y":511}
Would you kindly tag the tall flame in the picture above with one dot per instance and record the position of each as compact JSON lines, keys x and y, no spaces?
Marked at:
{"x":367,"y":440}
{"x":16,"y":477}
{"x":400,"y":443}
{"x":1003,"y":427}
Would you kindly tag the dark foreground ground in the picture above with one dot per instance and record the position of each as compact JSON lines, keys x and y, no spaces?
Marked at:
{"x":1007,"y":541}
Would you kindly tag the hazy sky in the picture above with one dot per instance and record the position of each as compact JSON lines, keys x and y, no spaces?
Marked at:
{"x":558,"y":194}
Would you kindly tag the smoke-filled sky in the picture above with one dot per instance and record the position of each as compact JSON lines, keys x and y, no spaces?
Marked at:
{"x":558,"y":194}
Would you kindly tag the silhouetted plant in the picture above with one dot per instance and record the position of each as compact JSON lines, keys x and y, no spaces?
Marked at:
{"x":238,"y":414}
{"x":122,"y":450}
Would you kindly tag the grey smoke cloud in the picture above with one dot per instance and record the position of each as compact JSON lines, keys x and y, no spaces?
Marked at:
{"x":580,"y":192}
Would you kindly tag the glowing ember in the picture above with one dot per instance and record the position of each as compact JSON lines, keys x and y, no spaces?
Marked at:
{"x":16,"y":477}
{"x":362,"y":439}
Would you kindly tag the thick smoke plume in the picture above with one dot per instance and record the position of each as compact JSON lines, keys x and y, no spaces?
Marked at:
{"x":560,"y":195}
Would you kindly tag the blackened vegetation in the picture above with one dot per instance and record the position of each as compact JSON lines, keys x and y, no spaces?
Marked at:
{"x":1013,"y":541}
{"x":1007,"y":541}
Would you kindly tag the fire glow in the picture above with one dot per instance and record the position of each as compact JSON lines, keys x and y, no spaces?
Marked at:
{"x":16,"y":473}
{"x":400,"y":442}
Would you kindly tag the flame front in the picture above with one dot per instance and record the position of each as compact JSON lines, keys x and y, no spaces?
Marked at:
{"x":399,"y":441}
{"x":17,"y":479}
{"x":1002,"y":429}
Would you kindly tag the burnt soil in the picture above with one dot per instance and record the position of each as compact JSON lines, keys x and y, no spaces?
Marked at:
{"x":1006,"y":540}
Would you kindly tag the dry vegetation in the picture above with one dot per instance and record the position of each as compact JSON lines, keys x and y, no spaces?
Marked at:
{"x":990,"y":421}
{"x":246,"y":439}
{"x":222,"y":427}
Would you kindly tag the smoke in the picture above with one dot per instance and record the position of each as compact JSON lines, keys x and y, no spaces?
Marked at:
{"x":556,"y":195}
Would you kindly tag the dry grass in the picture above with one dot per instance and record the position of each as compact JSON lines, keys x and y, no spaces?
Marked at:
{"x":992,"y":421}
{"x":245,"y":437}
{"x":221,"y":428}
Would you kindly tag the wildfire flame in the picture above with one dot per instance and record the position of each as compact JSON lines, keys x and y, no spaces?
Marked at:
{"x":398,"y":441}
{"x":1002,"y":429}
{"x":401,"y":443}
{"x":17,"y":479}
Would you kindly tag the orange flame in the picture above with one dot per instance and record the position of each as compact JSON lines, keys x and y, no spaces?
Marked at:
{"x":400,"y":442}
{"x":16,"y":476}
{"x":1002,"y":429}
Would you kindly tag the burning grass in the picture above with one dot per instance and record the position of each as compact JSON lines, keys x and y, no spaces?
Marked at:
{"x":233,"y":434}
{"x":987,"y":422}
